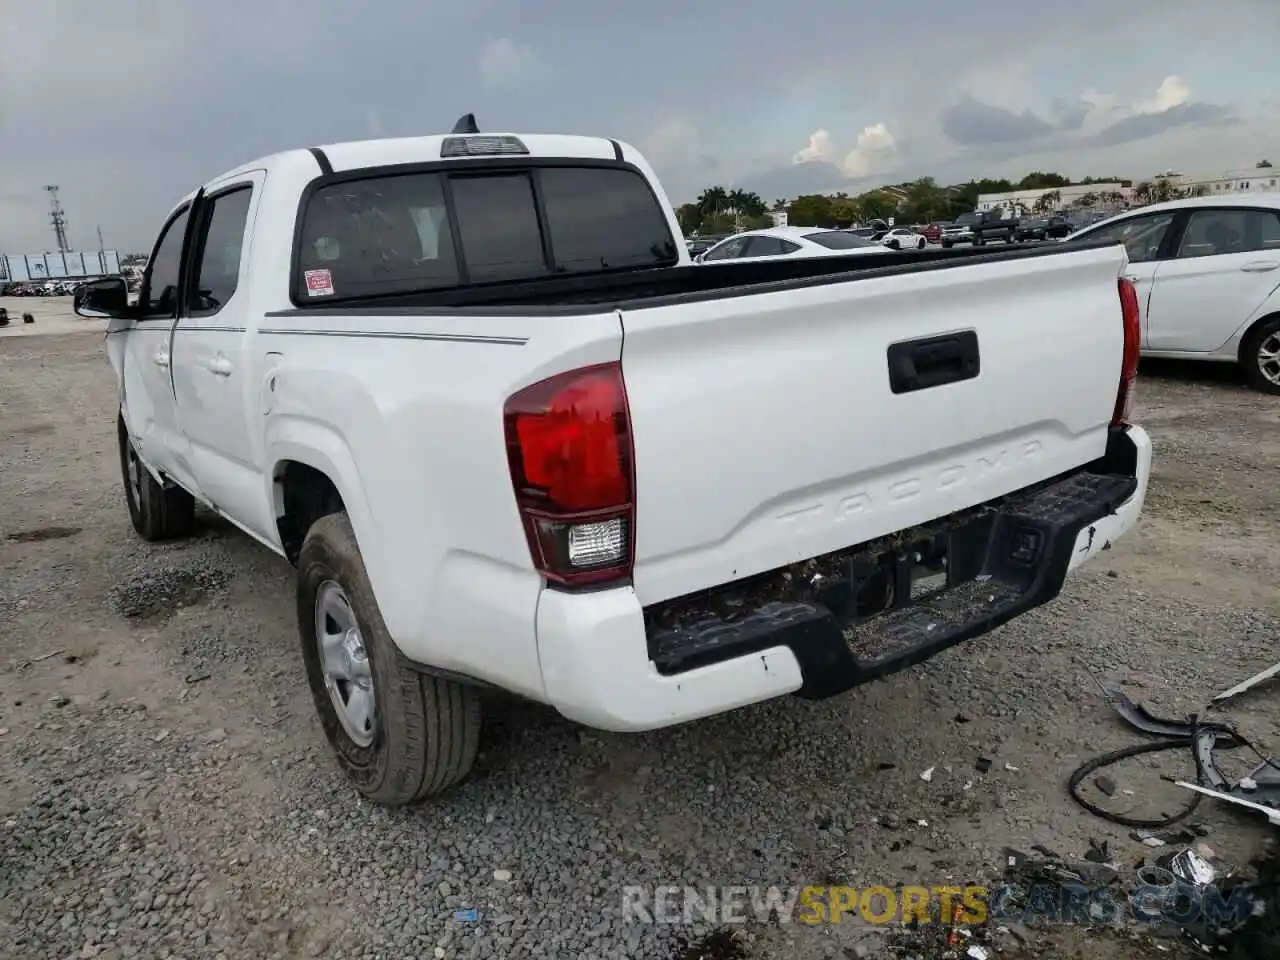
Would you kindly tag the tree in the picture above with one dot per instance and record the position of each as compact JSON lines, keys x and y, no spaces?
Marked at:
{"x":1263,"y":165}
{"x":1038,"y":180}
{"x":925,"y":201}
{"x":810,"y":210}
{"x":713,"y":200}
{"x":746,"y":203}
{"x":1049,"y":201}
{"x":876,"y":205}
{"x":718,"y":224}
{"x":690,"y":217}
{"x":844,"y":211}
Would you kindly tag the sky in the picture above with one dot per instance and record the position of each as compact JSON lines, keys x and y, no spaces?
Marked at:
{"x":128,"y":105}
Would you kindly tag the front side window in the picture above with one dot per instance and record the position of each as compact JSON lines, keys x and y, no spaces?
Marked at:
{"x":160,"y":289}
{"x":727,"y":250}
{"x":1141,"y":236}
{"x":423,"y":231}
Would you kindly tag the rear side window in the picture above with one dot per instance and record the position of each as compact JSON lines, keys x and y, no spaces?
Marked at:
{"x":839,"y":240}
{"x":218,"y":272}
{"x":427,"y":231}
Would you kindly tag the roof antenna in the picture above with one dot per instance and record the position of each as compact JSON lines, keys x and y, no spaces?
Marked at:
{"x":466,"y":124}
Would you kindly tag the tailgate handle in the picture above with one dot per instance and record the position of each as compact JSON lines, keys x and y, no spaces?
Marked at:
{"x":933,"y":361}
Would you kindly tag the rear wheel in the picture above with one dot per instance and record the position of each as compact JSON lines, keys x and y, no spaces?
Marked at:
{"x":399,"y":735}
{"x":156,"y":511}
{"x":920,"y":243}
{"x":1261,"y":357}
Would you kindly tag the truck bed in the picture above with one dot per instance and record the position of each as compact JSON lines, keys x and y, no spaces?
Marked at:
{"x":682,"y":284}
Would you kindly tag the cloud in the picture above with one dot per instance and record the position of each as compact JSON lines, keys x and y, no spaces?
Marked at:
{"x":505,"y":63}
{"x":821,"y":147}
{"x":972,"y":122}
{"x":1172,"y":92}
{"x":875,"y":151}
{"x":1094,"y":120}
{"x":1140,"y":126}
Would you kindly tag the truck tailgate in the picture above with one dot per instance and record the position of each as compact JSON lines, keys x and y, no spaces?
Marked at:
{"x":767,"y":431}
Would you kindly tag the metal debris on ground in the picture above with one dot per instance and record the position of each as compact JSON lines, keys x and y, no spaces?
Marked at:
{"x":1249,"y":684}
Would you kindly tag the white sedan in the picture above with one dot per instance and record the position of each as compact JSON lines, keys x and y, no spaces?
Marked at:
{"x":778,"y":243}
{"x":1207,"y":271}
{"x":900,"y":238}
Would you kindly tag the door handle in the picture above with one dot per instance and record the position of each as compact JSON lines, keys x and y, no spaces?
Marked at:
{"x":1132,"y":278}
{"x":161,"y":358}
{"x":220,"y":366}
{"x":1260,"y":266}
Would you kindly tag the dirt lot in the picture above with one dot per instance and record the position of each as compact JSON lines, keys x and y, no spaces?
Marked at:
{"x":165,"y":791}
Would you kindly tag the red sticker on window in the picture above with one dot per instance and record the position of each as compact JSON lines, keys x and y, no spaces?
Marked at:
{"x":319,"y":283}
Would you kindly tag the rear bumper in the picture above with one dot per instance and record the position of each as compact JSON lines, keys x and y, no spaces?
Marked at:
{"x":608,"y":663}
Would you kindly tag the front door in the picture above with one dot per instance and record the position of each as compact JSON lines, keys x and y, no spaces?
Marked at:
{"x":218,"y":396}
{"x":1226,"y":265}
{"x":148,"y":399}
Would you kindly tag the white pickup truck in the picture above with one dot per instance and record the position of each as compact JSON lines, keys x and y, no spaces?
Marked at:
{"x":472,"y":387}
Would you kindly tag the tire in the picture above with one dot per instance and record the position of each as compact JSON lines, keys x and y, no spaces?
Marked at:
{"x":157,"y":512}
{"x":1263,"y":343}
{"x":947,"y":244}
{"x":425,"y":730}
{"x":921,"y":244}
{"x":894,"y":245}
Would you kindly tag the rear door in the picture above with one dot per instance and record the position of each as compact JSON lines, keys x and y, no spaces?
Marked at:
{"x":1226,"y":265}
{"x":766,"y":430}
{"x":215,"y":380}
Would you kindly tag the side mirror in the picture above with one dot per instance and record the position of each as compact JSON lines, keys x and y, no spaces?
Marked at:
{"x":103,"y":299}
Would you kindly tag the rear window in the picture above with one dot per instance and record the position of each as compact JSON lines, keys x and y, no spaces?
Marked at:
{"x":838,"y":240}
{"x":395,"y":234}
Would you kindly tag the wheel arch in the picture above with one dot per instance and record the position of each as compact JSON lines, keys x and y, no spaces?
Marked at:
{"x":1246,"y":337}
{"x":306,"y":457}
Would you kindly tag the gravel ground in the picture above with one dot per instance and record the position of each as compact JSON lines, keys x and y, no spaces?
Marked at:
{"x":164,"y":790}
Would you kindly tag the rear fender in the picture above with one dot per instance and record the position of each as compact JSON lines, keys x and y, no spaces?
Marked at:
{"x":321,"y":447}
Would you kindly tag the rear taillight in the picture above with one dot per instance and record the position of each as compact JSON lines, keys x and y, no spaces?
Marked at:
{"x":1132,"y":318}
{"x":569,"y":449}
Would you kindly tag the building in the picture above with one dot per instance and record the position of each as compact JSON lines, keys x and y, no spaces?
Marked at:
{"x":38,"y":267}
{"x":1022,"y":202}
{"x":779,"y":216}
{"x":1253,"y":180}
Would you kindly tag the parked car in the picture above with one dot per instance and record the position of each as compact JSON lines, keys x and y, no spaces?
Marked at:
{"x":932,"y":232}
{"x":553,"y":459}
{"x":903,"y":238}
{"x":1207,"y":270}
{"x":985,"y":225}
{"x":776,"y":242}
{"x":1032,"y":228}
{"x":954,"y":233}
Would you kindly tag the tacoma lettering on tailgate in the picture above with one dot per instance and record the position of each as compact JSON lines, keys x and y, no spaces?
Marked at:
{"x":890,"y":492}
